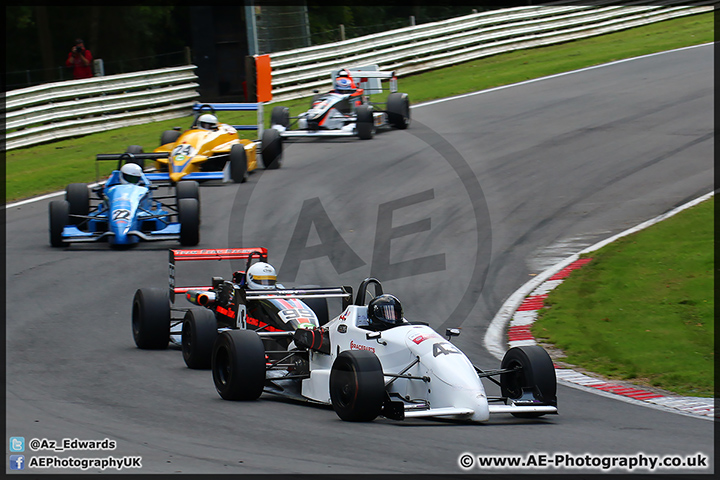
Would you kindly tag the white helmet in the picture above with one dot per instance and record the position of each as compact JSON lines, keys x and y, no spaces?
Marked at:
{"x":131,"y":173}
{"x":207,"y":122}
{"x":261,"y":276}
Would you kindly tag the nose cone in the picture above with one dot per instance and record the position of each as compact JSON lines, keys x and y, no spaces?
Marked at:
{"x":121,"y":236}
{"x":176,"y":176}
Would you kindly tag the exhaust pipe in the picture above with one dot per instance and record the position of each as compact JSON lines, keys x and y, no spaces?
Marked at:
{"x":201,"y":297}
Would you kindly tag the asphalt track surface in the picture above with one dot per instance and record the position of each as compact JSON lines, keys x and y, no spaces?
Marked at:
{"x":453,"y":215}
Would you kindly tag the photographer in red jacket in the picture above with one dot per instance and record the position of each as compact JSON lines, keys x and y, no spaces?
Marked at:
{"x":80,"y":59}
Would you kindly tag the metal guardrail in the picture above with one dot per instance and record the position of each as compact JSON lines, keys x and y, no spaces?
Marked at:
{"x":60,"y":110}
{"x":64,"y":109}
{"x":433,"y":45}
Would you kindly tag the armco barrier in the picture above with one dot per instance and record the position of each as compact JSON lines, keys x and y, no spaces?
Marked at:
{"x":59,"y":110}
{"x":433,"y":45}
{"x":64,"y":109}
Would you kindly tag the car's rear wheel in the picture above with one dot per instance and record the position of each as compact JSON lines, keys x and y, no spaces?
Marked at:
{"x":169,"y":136}
{"x":280,"y":116}
{"x":357,"y":386}
{"x":535,"y":374}
{"x":238,"y":365}
{"x":271,"y":145}
{"x":199,"y":332}
{"x":151,"y":318}
{"x":238,"y":164}
{"x":133,"y":149}
{"x":78,"y":198}
{"x":58,"y":219}
{"x":398,"y":110}
{"x":364,"y":122}
{"x":189,"y":218}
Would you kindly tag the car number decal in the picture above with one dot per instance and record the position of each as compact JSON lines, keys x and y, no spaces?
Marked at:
{"x":444,"y":348}
{"x":121,"y":215}
{"x":296,"y":314}
{"x":183,"y":150}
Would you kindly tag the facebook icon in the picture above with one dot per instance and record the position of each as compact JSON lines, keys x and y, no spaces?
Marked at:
{"x":17,"y":462}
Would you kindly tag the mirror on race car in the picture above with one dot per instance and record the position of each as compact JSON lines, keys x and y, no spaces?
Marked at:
{"x":452,"y":332}
{"x":375,"y":336}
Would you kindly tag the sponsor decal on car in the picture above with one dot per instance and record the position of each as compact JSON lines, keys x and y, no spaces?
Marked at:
{"x":355,"y":346}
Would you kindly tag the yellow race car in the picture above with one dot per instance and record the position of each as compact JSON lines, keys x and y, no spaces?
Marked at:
{"x":211,"y":150}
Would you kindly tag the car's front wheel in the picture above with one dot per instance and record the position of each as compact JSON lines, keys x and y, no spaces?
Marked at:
{"x":199,"y":331}
{"x":533,"y":373}
{"x":238,"y":365}
{"x":365,"y":123}
{"x":238,"y":164}
{"x":357,"y":387}
{"x":59,"y":213}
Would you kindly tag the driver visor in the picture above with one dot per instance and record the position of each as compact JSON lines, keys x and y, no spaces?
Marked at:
{"x":264,"y":279}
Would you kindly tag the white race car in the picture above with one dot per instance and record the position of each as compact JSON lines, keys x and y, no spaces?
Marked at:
{"x":348,"y":111}
{"x":369,"y":362}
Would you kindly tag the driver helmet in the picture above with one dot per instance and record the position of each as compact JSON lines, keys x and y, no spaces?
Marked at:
{"x":131,"y":173}
{"x":261,"y":276}
{"x":385,"y":311}
{"x":344,"y":82}
{"x":208,"y":121}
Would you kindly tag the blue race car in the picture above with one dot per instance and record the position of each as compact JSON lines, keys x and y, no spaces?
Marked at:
{"x":126,"y":211}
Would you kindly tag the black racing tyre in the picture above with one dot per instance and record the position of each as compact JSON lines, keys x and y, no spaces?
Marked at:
{"x":238,"y":365}
{"x":199,"y":332}
{"x":189,"y":218}
{"x":280,"y":116}
{"x":169,"y":136}
{"x":187,"y":189}
{"x":238,"y":163}
{"x":151,"y":318}
{"x":136,"y":149}
{"x":537,"y":376}
{"x":357,"y":386}
{"x":271,"y":145}
{"x":364,"y":123}
{"x":398,"y":110}
{"x":78,"y":198}
{"x":58,"y":213}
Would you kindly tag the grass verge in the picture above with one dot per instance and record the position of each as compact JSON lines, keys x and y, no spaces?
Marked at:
{"x":50,"y":167}
{"x":643,"y":309}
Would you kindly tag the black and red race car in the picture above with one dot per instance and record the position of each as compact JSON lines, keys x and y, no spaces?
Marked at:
{"x":158,"y":320}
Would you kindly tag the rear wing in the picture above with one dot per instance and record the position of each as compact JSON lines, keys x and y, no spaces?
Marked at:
{"x":208,"y":254}
{"x":198,"y":108}
{"x":124,"y":158}
{"x":369,"y":78}
{"x":344,"y":292}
